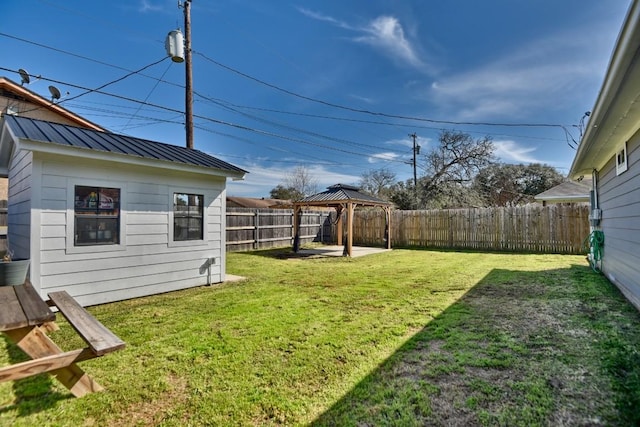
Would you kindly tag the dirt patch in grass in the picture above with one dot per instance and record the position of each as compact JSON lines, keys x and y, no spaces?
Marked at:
{"x":154,"y":412}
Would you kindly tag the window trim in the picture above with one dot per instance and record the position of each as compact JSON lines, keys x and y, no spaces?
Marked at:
{"x":71,"y":248}
{"x":205,"y":214}
{"x":621,"y":160}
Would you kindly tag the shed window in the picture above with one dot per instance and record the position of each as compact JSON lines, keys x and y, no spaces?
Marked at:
{"x":97,"y":216}
{"x":188,"y":214}
{"x":621,"y":160}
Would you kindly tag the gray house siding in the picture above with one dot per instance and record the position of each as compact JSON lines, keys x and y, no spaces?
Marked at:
{"x":619,"y":198}
{"x":19,"y":206}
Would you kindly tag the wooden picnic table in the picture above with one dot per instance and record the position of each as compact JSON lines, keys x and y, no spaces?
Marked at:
{"x":26,"y":319}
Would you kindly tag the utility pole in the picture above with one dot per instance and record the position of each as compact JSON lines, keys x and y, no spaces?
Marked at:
{"x":416,"y":151}
{"x":188,"y":109}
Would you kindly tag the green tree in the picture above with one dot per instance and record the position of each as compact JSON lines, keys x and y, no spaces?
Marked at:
{"x":285,"y":193}
{"x":403,"y":196}
{"x":509,"y":185}
{"x":452,"y":195}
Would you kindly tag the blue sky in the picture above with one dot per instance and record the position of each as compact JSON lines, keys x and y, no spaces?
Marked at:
{"x":334,"y":86}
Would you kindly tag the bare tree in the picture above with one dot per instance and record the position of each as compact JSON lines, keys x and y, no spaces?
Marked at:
{"x":378,"y":182}
{"x":456,"y":159}
{"x":297,"y":184}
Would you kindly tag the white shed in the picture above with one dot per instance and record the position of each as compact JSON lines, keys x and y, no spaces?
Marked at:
{"x":108,"y":217}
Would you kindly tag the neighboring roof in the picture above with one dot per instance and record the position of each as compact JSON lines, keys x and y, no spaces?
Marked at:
{"x":339,"y":193}
{"x":10,"y":88}
{"x":50,"y":137}
{"x":255,"y":203}
{"x":615,"y":116}
{"x":567,"y":192}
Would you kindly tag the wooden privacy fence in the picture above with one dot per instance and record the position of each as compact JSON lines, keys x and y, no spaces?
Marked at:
{"x":532,"y":228}
{"x":249,"y":229}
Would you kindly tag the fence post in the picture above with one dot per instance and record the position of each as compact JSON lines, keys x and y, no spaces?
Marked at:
{"x":293,"y":227}
{"x":256,"y":230}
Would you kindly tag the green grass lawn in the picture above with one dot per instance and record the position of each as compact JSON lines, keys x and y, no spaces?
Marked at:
{"x":398,"y":338}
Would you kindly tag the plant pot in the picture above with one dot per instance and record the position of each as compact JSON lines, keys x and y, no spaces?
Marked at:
{"x":13,"y":273}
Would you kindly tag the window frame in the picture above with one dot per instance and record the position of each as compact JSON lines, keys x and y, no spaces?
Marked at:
{"x":172,"y":242}
{"x":71,"y":247}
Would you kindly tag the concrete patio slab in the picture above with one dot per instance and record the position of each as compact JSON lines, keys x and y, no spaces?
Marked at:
{"x":334,"y":250}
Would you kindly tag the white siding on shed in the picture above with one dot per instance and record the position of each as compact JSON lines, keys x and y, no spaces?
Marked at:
{"x":145,"y":262}
{"x":619,"y":197}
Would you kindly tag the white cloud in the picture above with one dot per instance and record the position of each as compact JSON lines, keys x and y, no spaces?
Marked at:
{"x":321,"y":17}
{"x":408,"y":142}
{"x":262,"y":179}
{"x":148,"y":6}
{"x":362,"y":99}
{"x":509,"y":151}
{"x":384,"y":33}
{"x":549,"y":74}
{"x":399,"y":144}
{"x":383,"y":157}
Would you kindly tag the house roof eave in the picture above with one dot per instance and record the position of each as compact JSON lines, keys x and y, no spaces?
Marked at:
{"x":615,"y":116}
{"x":34,"y":98}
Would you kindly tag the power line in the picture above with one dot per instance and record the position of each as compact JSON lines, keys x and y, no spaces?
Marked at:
{"x":568,"y":136}
{"x":348,"y":119}
{"x":88,"y":91}
{"x":158,"y":80}
{"x":222,"y":122}
{"x":147,"y":97}
{"x":155,"y":120}
{"x":373,"y":113}
{"x":295,"y":129}
{"x":86,"y":58}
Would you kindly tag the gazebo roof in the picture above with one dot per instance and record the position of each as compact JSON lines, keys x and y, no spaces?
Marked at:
{"x":339,"y":194}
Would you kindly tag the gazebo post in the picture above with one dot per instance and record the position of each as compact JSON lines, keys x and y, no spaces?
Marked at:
{"x":339,"y":224}
{"x":297,"y":209}
{"x":350,"y":209}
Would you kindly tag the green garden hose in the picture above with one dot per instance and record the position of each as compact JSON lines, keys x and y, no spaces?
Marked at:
{"x":594,"y":243}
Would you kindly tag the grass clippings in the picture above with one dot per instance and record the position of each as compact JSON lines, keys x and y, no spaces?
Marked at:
{"x":398,"y":338}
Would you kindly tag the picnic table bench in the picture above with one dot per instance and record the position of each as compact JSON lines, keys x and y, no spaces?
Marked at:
{"x":26,"y":318}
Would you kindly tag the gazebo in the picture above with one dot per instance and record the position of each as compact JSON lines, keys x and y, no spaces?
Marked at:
{"x":342,"y":197}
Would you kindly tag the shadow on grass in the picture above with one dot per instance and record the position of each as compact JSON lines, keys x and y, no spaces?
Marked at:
{"x":33,"y":394}
{"x":277,"y":253}
{"x":558,"y":347}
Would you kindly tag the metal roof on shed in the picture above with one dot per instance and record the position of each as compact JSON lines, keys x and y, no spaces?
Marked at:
{"x":341,"y":192}
{"x":71,"y":136}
